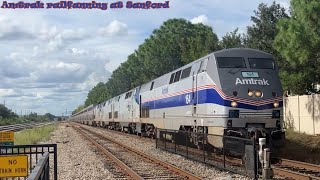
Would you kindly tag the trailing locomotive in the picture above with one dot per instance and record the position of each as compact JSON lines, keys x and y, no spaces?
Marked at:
{"x":231,"y":92}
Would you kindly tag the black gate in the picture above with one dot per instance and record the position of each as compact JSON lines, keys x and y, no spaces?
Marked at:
{"x":34,"y":153}
{"x":237,"y":155}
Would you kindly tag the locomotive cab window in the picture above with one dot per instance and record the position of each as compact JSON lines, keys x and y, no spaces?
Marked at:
{"x":261,"y":63}
{"x":128,"y":94}
{"x":171,"y":78}
{"x":177,"y":76}
{"x":231,"y":62}
{"x":186,"y":73}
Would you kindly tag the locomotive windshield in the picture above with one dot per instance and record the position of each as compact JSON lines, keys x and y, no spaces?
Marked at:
{"x":260,"y":63}
{"x":231,"y":62}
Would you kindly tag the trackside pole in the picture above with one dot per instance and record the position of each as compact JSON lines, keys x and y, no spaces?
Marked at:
{"x":264,"y":158}
{"x":262,"y":143}
{"x":267,"y":172}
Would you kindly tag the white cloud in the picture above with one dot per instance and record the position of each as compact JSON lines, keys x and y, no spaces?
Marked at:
{"x":59,"y":39}
{"x":6,"y":92}
{"x":77,"y":52}
{"x":115,"y":28}
{"x":60,"y":72}
{"x":200,"y":19}
{"x":11,"y":30}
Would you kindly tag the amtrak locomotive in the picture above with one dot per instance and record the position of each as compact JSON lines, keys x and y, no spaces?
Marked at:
{"x":231,"y":92}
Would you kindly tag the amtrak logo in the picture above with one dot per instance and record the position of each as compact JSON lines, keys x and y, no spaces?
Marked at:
{"x":188,"y":99}
{"x":262,"y":82}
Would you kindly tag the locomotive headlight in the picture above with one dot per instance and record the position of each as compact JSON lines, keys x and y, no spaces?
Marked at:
{"x":250,"y":93}
{"x":234,"y":104}
{"x":276,"y":104}
{"x":258,"y":93}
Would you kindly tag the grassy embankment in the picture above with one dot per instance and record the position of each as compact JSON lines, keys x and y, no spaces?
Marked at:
{"x":5,"y":122}
{"x":34,"y":135}
{"x":301,"y":147}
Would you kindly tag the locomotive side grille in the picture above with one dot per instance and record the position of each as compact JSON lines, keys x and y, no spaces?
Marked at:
{"x":255,"y":114}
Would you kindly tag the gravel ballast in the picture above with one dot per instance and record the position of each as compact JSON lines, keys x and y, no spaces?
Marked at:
{"x":196,"y":168}
{"x":77,"y":158}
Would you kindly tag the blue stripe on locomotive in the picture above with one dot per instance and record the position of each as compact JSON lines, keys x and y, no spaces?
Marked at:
{"x":204,"y":96}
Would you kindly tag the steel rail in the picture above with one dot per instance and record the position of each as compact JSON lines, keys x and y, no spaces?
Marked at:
{"x":170,"y":167}
{"x":190,"y":149}
{"x":283,"y":168}
{"x":308,"y":166}
{"x":118,"y":162}
{"x":19,"y":127}
{"x":292,"y":174}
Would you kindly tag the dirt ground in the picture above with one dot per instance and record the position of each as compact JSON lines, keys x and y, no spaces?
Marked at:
{"x":301,"y":147}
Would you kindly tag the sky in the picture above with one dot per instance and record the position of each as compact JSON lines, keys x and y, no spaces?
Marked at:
{"x":51,"y":58}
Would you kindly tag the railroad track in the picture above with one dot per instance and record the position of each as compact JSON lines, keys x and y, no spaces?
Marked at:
{"x":19,"y":127}
{"x":296,"y":170}
{"x":285,"y":168}
{"x":135,"y":164}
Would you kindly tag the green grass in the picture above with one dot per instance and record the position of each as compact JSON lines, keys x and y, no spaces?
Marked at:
{"x":34,"y":135}
{"x":301,"y":147}
{"x":5,"y":122}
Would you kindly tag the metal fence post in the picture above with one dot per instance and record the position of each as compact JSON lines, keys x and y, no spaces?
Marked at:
{"x":156,"y":137}
{"x":256,"y":161}
{"x":187,"y":133}
{"x":165,"y":142}
{"x":55,"y":158}
{"x":204,"y":154}
{"x":224,"y":156}
{"x":175,"y":143}
{"x":47,"y":169}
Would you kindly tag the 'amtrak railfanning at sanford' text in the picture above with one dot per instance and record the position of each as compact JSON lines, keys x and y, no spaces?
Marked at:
{"x":83,"y":5}
{"x":252,"y":81}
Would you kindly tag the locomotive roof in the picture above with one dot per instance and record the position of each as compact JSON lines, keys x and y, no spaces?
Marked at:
{"x":232,"y":52}
{"x":241,"y":52}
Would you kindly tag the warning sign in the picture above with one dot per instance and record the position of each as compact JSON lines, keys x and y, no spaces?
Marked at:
{"x":6,"y":137}
{"x":14,"y":166}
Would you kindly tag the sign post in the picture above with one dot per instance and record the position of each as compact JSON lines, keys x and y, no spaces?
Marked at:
{"x":14,"y":166}
{"x":6,"y":138}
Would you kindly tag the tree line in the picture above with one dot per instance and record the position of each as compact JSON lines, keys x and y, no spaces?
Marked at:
{"x":292,"y":38}
{"x":8,"y":117}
